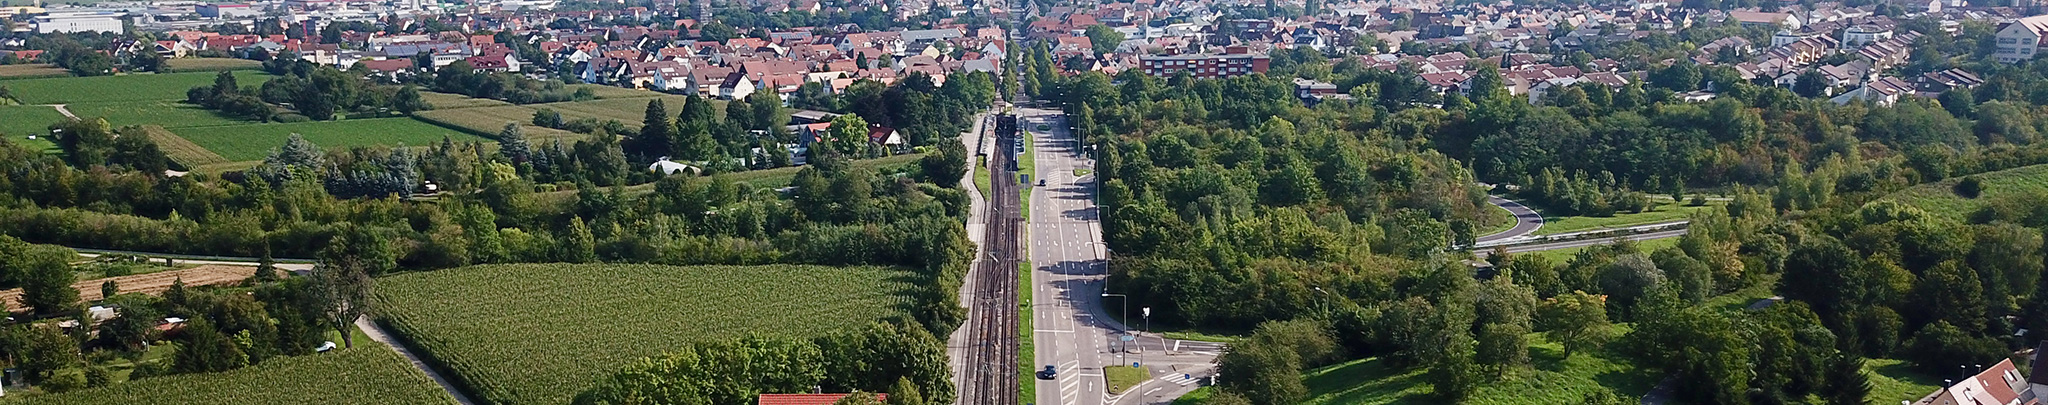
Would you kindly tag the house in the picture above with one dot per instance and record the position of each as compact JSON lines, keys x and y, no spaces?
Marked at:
{"x":1762,"y":19}
{"x":807,"y":399}
{"x":666,"y":167}
{"x":888,"y":137}
{"x":494,"y":63}
{"x":1999,"y":385}
{"x":2022,"y":39}
{"x":1883,"y":92}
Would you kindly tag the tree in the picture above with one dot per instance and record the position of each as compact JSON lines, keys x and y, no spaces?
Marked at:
{"x":578,"y":246}
{"x":1504,"y":311}
{"x":206,"y":350}
{"x":1969,"y":187}
{"x":945,"y":167}
{"x":108,"y":289}
{"x":657,"y":134}
{"x":408,"y":101}
{"x":905,"y":393}
{"x":512,"y":144}
{"x":45,"y":349}
{"x":46,"y":281}
{"x":342,"y":290}
{"x":1104,"y":38}
{"x":1811,"y":83}
{"x":1940,"y":348}
{"x":1578,"y":321}
{"x":547,"y":118}
{"x":1846,"y":382}
{"x":861,"y":398}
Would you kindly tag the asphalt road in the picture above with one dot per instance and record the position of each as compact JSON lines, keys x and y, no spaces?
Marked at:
{"x":1527,"y":220}
{"x":1073,"y":331}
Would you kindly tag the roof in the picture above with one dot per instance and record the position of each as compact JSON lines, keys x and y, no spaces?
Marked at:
{"x":2040,"y":366}
{"x":807,"y":399}
{"x":2000,"y":384}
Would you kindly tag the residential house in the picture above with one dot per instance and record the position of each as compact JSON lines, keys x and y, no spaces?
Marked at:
{"x":1999,"y":385}
{"x":1884,"y":91}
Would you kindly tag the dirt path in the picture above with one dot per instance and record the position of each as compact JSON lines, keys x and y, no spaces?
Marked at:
{"x":152,"y":283}
{"x":62,"y":110}
{"x":377,"y":333}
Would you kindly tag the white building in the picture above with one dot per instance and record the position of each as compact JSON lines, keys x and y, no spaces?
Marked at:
{"x":80,"y":22}
{"x":2020,"y":40}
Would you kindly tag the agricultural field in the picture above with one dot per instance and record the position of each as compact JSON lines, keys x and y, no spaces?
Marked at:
{"x":17,"y":122}
{"x":33,"y":70}
{"x":448,"y":101}
{"x":604,"y":91}
{"x":186,"y":154}
{"x":254,"y":141}
{"x":541,"y":333}
{"x":367,"y":374}
{"x":211,"y":64}
{"x":165,"y":113}
{"x":1940,"y":200}
{"x":150,"y":283}
{"x":490,"y":120}
{"x":626,"y":110}
{"x":131,"y":87}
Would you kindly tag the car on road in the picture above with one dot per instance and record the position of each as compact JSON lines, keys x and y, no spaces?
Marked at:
{"x":1050,"y":372}
{"x":1041,"y":182}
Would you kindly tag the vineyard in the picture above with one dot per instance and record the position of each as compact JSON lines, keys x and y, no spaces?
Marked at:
{"x":366,"y":374}
{"x":541,"y":333}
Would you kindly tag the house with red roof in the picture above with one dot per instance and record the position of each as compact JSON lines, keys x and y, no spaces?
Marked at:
{"x":2001,"y":384}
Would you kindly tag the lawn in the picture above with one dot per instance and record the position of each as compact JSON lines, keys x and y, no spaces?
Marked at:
{"x":1940,"y":200}
{"x":211,"y":64}
{"x":1551,"y":379}
{"x":1121,"y":377}
{"x":541,"y":333}
{"x":366,"y":374}
{"x":1892,"y":381}
{"x":254,"y":141}
{"x":1560,"y":256}
{"x":1027,"y":359}
{"x":131,"y":87}
{"x":1496,"y":220}
{"x":165,"y":113}
{"x":17,"y":122}
{"x":1664,"y":211}
{"x":981,"y":176}
{"x":33,"y":70}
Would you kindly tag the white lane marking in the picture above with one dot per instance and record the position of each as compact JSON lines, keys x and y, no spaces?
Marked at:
{"x":1069,"y":386}
{"x":1071,"y":364}
{"x":1154,"y":389}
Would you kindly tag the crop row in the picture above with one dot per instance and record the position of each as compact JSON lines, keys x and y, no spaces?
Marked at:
{"x":366,"y":374}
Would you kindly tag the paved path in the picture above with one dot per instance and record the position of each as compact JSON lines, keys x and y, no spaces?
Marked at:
{"x":378,"y":334}
{"x":1527,"y":220}
{"x":62,"y":110}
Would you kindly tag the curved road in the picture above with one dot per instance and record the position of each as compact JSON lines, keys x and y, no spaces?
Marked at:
{"x":1527,"y":220}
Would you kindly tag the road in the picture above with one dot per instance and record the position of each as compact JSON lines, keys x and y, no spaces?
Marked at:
{"x":379,"y":335}
{"x":1072,"y":329}
{"x":1527,"y":221}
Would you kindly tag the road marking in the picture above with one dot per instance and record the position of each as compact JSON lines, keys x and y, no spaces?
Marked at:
{"x":1069,"y":386}
{"x":1052,"y":331}
{"x":1154,"y":389}
{"x":1071,"y":364}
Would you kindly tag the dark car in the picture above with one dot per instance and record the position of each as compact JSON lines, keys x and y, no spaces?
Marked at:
{"x":1041,"y":182}
{"x":1050,"y":372}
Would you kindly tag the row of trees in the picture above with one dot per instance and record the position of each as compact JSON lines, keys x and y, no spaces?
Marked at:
{"x":896,"y":357}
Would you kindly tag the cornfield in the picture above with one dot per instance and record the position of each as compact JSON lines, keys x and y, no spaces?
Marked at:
{"x":367,"y":374}
{"x":541,"y":333}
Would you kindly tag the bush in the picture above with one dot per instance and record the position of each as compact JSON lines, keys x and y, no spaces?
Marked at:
{"x":291,"y":118}
{"x":1970,"y":187}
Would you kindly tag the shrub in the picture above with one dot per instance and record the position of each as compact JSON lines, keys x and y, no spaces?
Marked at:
{"x":291,"y":118}
{"x":1970,"y":187}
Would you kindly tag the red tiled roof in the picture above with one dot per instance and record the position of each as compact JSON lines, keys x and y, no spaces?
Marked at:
{"x":807,"y":399}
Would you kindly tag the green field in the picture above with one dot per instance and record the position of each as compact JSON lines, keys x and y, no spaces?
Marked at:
{"x":492,"y":119}
{"x":186,"y":154}
{"x":17,"y":122}
{"x":211,"y":64}
{"x":604,"y":91}
{"x":254,"y":141}
{"x":1121,"y":377}
{"x":132,"y":87}
{"x":165,"y":113}
{"x":448,"y":101}
{"x":1940,"y":200}
{"x":1560,"y":256}
{"x":630,"y":111}
{"x":33,"y":70}
{"x":1664,"y":211}
{"x":541,"y":333}
{"x":367,"y":374}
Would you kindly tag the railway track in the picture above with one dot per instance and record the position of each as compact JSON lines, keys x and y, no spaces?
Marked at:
{"x":992,"y":369}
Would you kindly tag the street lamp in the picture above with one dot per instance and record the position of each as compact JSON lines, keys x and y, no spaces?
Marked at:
{"x":1325,"y":301}
{"x":1126,"y":313}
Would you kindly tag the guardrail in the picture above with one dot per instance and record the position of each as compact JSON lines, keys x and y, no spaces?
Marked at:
{"x":1584,"y":235}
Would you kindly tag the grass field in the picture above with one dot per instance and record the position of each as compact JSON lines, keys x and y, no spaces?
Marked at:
{"x":1551,"y":379}
{"x":211,"y":64}
{"x":33,"y":70}
{"x":1560,"y":256}
{"x":604,"y":91}
{"x":540,"y":333}
{"x":187,"y":154}
{"x":367,"y":374}
{"x":1121,"y":377}
{"x":1940,"y":200}
{"x":492,"y":119}
{"x":254,"y":142}
{"x":165,"y":113}
{"x":17,"y":122}
{"x":133,"y":87}
{"x":1664,"y":211}
{"x":1497,"y":220}
{"x":448,"y":101}
{"x":630,"y":111}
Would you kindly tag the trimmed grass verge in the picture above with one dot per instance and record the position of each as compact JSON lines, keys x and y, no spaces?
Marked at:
{"x":1027,"y":385}
{"x":1121,"y":377}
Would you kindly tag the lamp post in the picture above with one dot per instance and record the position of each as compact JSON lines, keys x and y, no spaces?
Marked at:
{"x":1126,"y":312}
{"x":1325,"y":298}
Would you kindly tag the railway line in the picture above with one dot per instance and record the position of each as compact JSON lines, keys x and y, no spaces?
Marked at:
{"x":991,"y":365}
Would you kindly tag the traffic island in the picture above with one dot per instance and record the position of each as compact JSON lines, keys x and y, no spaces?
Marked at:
{"x":1120,"y":378}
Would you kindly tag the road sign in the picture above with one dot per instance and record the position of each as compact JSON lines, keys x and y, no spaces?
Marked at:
{"x":1126,"y":338}
{"x":1146,"y":310}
